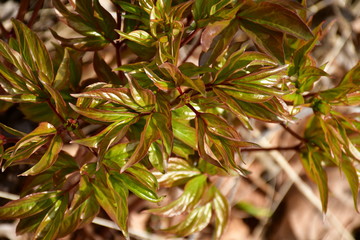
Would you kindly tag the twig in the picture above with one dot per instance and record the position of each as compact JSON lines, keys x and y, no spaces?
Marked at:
{"x":4,"y":31}
{"x":291,"y":148}
{"x":117,"y":46}
{"x":37,"y":8}
{"x":190,"y":37}
{"x":294,"y":134}
{"x":191,"y":51}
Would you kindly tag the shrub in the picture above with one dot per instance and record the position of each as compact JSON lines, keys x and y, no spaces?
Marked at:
{"x":161,"y":120}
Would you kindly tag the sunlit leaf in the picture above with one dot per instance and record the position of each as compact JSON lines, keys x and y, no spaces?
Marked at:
{"x":48,"y":159}
{"x":49,"y":226}
{"x":29,"y":205}
{"x":192,"y":194}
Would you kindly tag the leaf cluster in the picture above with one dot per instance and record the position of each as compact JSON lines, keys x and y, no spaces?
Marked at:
{"x":161,"y":120}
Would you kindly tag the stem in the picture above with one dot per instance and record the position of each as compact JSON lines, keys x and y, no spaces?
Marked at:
{"x":193,"y":109}
{"x":22,"y":10}
{"x":117,"y":46}
{"x":37,"y":8}
{"x":291,"y":148}
{"x":294,"y":134}
{"x":190,"y":37}
{"x":4,"y":31}
{"x":191,"y":51}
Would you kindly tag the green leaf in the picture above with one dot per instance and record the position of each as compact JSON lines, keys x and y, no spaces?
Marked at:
{"x":143,"y":97}
{"x":178,"y":172}
{"x":156,"y":157}
{"x":44,"y":129}
{"x":163,"y":124}
{"x":253,"y":210}
{"x":143,"y":175}
{"x":80,"y":217}
{"x":49,"y":226}
{"x":158,"y":82}
{"x":312,"y":164}
{"x":48,"y":159}
{"x":120,"y":195}
{"x":352,"y":177}
{"x":277,"y":17}
{"x":15,"y":58}
{"x":12,"y":131}
{"x":269,"y":41}
{"x":120,"y":96}
{"x":117,"y":155}
{"x":191,"y":196}
{"x":184,"y":132}
{"x":24,"y":152}
{"x":221,"y":208}
{"x":112,"y":197}
{"x":196,"y":221}
{"x":62,"y":77}
{"x":88,"y":43}
{"x":36,"y":48}
{"x":138,"y":36}
{"x":29,"y":205}
{"x":82,"y":194}
{"x":233,"y":106}
{"x":148,"y":135}
{"x":104,"y":115}
{"x":135,"y":186}
{"x":60,"y":104}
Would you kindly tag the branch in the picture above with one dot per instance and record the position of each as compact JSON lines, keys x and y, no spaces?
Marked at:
{"x":291,"y":148}
{"x":294,"y":134}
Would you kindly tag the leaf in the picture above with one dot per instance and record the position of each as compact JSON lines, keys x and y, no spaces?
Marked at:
{"x":221,"y":208}
{"x":158,"y":82}
{"x":88,"y":43}
{"x":191,"y":196}
{"x":178,"y":172}
{"x":44,"y":129}
{"x":312,"y":164}
{"x":112,"y":197}
{"x":62,"y":77}
{"x":143,"y":97}
{"x":163,"y":124}
{"x":196,"y":221}
{"x":15,"y":58}
{"x":104,"y":115}
{"x":60,"y":104}
{"x":184,"y":133}
{"x":352,"y":177}
{"x":120,"y":96}
{"x":143,"y":175}
{"x":135,"y":186}
{"x":14,"y":83}
{"x":156,"y":157}
{"x":80,"y":217}
{"x":48,"y":159}
{"x":49,"y":226}
{"x":269,"y":41}
{"x":37,"y":49}
{"x":28,"y":205}
{"x":117,"y":155}
{"x":148,"y":135}
{"x":138,"y":36}
{"x":82,"y":194}
{"x":233,"y":106}
{"x":120,"y":195}
{"x":277,"y":17}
